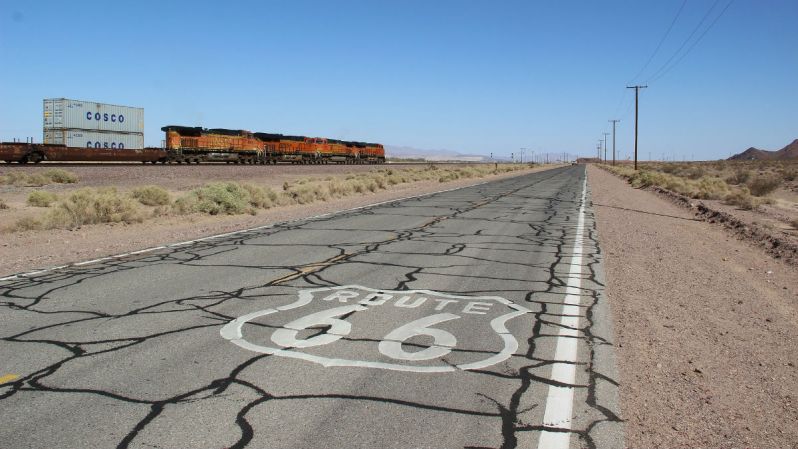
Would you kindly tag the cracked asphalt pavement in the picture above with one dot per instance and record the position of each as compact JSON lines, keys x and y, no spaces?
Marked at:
{"x":466,"y":318}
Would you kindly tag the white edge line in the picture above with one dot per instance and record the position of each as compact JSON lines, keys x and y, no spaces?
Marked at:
{"x":558,"y":413}
{"x":227,"y":234}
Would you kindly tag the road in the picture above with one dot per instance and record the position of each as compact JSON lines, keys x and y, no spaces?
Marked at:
{"x":466,"y":318}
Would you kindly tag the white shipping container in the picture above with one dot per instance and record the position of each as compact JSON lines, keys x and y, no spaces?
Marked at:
{"x":61,"y":113}
{"x":79,"y":138}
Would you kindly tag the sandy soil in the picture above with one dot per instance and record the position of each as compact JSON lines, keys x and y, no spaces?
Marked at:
{"x":705,"y":323}
{"x":31,"y":250}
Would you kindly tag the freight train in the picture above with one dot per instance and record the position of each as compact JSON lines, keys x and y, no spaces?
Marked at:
{"x":185,"y":144}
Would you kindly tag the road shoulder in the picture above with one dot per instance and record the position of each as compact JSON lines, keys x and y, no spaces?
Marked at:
{"x":705,"y":326}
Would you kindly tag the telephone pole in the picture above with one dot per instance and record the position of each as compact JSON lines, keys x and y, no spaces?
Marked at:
{"x":605,"y":147}
{"x":637,"y":95}
{"x":613,"y":140}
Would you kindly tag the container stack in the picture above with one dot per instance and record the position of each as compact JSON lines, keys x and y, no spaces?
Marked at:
{"x":86,"y":124}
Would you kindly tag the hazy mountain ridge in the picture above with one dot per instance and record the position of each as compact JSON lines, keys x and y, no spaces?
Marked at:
{"x":788,"y":152}
{"x":432,"y":155}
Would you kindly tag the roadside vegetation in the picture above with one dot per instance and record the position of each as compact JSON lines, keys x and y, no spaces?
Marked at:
{"x":747,"y":185}
{"x":41,"y":198}
{"x":50,"y":176}
{"x":108,"y":205}
{"x":152,"y":196}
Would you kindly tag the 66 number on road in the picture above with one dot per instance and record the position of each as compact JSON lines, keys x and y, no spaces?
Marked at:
{"x":489,"y":312}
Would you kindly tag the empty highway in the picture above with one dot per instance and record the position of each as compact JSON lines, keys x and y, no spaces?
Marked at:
{"x":466,"y":318}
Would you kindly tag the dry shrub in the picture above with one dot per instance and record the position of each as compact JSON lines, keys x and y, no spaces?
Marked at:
{"x":41,"y":198}
{"x":53,"y":175}
{"x":381,"y":181}
{"x":60,"y":176}
{"x":151,"y":196}
{"x":449,"y":176}
{"x":394,"y":179}
{"x":24,"y":179}
{"x":671,"y":168}
{"x":764,"y":184}
{"x":228,"y":198}
{"x":3,"y":204}
{"x":743,"y":199}
{"x":789,"y":174}
{"x":794,"y":223}
{"x":371,"y":185}
{"x":739,"y":177}
{"x":645,"y":178}
{"x":306,"y":194}
{"x":90,"y":206}
{"x":712,"y":188}
{"x":262,"y":197}
{"x":695,"y":172}
{"x":681,"y":186}
{"x":339,"y":188}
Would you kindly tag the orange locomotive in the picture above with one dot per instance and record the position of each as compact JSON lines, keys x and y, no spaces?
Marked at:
{"x":194,"y":144}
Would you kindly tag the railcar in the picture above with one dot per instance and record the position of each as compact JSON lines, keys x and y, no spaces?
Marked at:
{"x":185,"y":144}
{"x":35,"y":152}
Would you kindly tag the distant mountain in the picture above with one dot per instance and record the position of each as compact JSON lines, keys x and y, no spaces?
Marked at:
{"x":755,"y":154}
{"x":790,"y":151}
{"x":432,"y":155}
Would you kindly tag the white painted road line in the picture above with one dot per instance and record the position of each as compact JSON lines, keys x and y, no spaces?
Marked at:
{"x":560,"y":399}
{"x":227,"y":234}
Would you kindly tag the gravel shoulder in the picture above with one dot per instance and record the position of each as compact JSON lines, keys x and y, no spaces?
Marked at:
{"x":705,"y":324}
{"x":32,"y":250}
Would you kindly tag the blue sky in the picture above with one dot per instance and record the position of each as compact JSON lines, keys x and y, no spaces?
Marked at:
{"x":468,"y":76}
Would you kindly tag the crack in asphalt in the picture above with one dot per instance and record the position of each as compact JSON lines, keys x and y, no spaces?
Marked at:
{"x":552,"y":235}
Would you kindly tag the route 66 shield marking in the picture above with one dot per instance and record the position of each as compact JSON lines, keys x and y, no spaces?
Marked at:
{"x":408,"y":330}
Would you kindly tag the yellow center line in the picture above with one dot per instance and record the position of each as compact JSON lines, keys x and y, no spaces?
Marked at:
{"x":8,"y":378}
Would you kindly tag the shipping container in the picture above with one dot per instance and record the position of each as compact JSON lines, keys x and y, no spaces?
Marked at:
{"x":61,"y":113}
{"x":79,"y":138}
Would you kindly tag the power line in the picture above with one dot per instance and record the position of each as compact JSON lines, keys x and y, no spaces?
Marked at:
{"x":661,"y":41}
{"x":695,"y":43}
{"x":681,"y":47}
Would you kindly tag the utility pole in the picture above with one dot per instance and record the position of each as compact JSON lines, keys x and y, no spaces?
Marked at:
{"x":637,"y":95}
{"x":605,"y":147}
{"x":613,"y":140}
{"x":598,"y":148}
